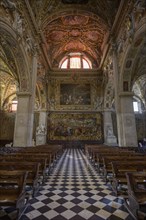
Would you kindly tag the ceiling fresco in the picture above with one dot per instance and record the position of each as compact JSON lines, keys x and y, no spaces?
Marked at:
{"x":75,"y":26}
{"x":75,"y":33}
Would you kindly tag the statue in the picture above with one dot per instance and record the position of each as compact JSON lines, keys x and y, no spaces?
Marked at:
{"x":41,"y":132}
{"x":41,"y":129}
{"x":109,"y":131}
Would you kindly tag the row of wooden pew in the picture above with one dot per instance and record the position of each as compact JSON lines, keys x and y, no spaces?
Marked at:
{"x":23,"y":172}
{"x":125,"y":169}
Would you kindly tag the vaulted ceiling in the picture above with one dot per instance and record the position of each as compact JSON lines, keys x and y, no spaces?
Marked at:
{"x":75,"y":26}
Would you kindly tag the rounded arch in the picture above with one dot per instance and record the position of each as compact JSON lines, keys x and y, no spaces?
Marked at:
{"x":80,"y":63}
{"x":15,"y":55}
{"x":134,"y":63}
{"x":68,"y":12}
{"x":139,"y":88}
{"x":74,"y":30}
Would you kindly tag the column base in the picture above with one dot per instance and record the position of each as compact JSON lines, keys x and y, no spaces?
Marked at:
{"x":40,"y":139}
{"x":111,"y":140}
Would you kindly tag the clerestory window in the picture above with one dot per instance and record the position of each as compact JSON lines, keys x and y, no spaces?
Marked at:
{"x":75,"y":61}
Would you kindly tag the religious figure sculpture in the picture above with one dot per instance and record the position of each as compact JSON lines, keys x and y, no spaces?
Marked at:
{"x":41,"y":132}
{"x":41,"y":129}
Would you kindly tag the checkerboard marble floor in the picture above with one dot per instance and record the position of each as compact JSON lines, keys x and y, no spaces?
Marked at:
{"x":73,"y":191}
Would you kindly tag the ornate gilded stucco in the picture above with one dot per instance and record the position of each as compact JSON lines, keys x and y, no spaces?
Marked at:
{"x":85,"y":91}
{"x":75,"y":26}
{"x":8,"y":83}
{"x":15,"y":60}
{"x":75,"y":33}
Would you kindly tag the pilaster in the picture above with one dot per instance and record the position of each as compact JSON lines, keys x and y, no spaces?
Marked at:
{"x":109,"y":137}
{"x":41,"y":131}
{"x":116,"y":87}
{"x":128,"y":124}
{"x":23,"y":131}
{"x":22,"y":120}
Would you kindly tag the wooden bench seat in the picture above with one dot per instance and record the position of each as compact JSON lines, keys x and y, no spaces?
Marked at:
{"x":28,"y":156}
{"x":13,"y":195}
{"x":50,"y":156}
{"x":99,"y":157}
{"x":106,"y":169}
{"x":43,"y":169}
{"x":33,"y":173}
{"x":136,"y":201}
{"x":119,"y":169}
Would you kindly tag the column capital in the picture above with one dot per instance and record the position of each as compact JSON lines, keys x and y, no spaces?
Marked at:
{"x":42,"y":110}
{"x":23,"y":94}
{"x":108,"y":110}
{"x":122,"y":94}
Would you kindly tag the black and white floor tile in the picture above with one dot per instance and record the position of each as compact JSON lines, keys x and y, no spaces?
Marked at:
{"x":73,"y":191}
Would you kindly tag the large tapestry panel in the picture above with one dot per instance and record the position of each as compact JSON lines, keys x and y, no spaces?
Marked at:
{"x":75,"y":126}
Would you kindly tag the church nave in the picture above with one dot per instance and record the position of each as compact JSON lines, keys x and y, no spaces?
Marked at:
{"x":73,"y":191}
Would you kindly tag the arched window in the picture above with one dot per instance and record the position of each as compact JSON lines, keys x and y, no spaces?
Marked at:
{"x":75,"y":61}
{"x":137,"y":105}
{"x":14,"y":105}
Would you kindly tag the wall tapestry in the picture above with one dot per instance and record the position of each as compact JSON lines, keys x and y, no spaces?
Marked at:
{"x":75,"y":126}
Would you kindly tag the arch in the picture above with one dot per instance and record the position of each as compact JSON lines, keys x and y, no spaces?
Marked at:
{"x":139,"y":88}
{"x":131,"y":69}
{"x":81,"y":59}
{"x":66,"y":31}
{"x":66,"y":12}
{"x":15,"y":54}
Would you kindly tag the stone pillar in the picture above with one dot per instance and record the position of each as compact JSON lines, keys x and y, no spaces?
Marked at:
{"x":117,"y":87}
{"x":41,"y":131}
{"x":23,"y":131}
{"x":109,"y":137}
{"x":22,"y":120}
{"x":128,"y":124}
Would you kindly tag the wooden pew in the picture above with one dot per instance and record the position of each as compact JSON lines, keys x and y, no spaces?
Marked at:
{"x":33,"y":173}
{"x":43,"y":169}
{"x":34,"y":155}
{"x":136,"y":201}
{"x":13,"y":195}
{"x":119,"y":181}
{"x":99,"y":157}
{"x":51,"y":157}
{"x":107,"y":159}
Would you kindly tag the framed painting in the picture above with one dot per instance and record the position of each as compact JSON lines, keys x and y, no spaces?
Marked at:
{"x":84,"y":95}
{"x":75,"y":94}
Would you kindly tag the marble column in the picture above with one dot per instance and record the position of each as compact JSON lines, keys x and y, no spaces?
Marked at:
{"x":109,"y":137}
{"x":128,"y":124}
{"x":41,"y":131}
{"x":23,"y":131}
